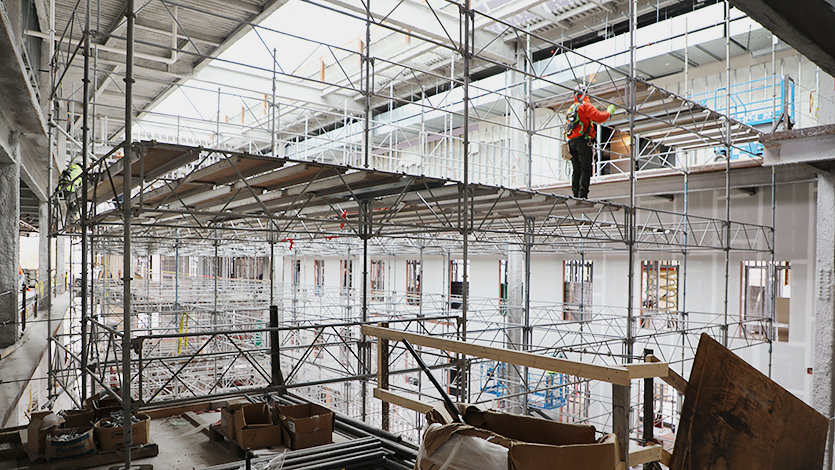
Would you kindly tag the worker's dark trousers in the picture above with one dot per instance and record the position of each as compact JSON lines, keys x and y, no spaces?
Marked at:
{"x":581,"y":155}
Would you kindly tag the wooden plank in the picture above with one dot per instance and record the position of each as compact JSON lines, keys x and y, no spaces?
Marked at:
{"x":666,"y":457}
{"x":673,"y":379}
{"x":734,"y":417}
{"x":228,"y":443}
{"x":646,"y":454}
{"x":400,"y":400}
{"x":611,"y":374}
{"x":647,"y":370}
{"x":192,"y":418}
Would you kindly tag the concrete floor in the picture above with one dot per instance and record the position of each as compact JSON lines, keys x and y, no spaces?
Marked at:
{"x":182,"y":445}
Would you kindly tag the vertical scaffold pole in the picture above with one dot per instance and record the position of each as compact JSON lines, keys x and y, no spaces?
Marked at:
{"x":85,"y":137}
{"x":50,"y":200}
{"x":365,"y":366}
{"x":773,"y":266}
{"x":620,"y":393}
{"x":526,"y":331}
{"x":272,"y":122}
{"x":727,"y":168}
{"x":465,"y":228}
{"x":126,"y":206}
{"x":366,"y":131}
{"x":530,"y":115}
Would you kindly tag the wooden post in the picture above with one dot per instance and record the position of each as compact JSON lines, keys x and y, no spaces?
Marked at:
{"x":649,"y":413}
{"x":383,"y":374}
{"x":620,"y":418}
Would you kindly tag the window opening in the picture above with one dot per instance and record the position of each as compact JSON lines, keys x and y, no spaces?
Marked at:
{"x":503,"y":279}
{"x":297,"y":272}
{"x":378,"y":281}
{"x":456,"y":282}
{"x":577,"y":290}
{"x":659,"y":294}
{"x":413,"y":282}
{"x":758,"y":280}
{"x":319,"y":276}
{"x":346,"y":268}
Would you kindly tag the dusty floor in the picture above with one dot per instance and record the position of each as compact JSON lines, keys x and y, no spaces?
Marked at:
{"x":182,"y":445}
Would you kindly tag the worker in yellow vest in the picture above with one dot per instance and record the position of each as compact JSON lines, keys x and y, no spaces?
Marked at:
{"x":70,"y":180}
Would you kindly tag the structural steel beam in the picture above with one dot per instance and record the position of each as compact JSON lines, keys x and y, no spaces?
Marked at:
{"x":293,"y":91}
{"x":422,"y":19}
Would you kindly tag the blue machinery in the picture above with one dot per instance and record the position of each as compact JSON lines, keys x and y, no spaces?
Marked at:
{"x":552,"y":396}
{"x":756,"y":103}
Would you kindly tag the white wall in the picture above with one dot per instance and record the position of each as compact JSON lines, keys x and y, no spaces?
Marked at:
{"x":546,"y":278}
{"x":484,"y":276}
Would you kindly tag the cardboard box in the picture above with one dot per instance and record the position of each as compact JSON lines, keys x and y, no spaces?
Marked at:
{"x":81,"y":445}
{"x":40,"y":423}
{"x":102,"y":403}
{"x":250,"y":425}
{"x":102,"y":408}
{"x":77,"y":419}
{"x":499,"y":440}
{"x":110,"y":438}
{"x":306,"y":425}
{"x":89,"y":403}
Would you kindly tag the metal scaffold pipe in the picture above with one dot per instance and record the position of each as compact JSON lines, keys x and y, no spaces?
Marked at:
{"x":126,"y":206}
{"x":464,"y":376}
{"x":50,"y":201}
{"x":727,"y":143}
{"x":85,"y":129}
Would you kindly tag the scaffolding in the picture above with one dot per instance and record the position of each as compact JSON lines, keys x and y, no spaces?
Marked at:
{"x":390,"y":163}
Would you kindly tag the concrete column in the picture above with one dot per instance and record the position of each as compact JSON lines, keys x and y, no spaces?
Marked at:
{"x":514,"y":318}
{"x":60,"y":264}
{"x":826,"y":113}
{"x":823,"y":381}
{"x":43,"y":251}
{"x":9,"y":252}
{"x":517,"y":137}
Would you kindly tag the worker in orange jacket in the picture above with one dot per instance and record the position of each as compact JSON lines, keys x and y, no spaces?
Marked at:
{"x":580,"y":138}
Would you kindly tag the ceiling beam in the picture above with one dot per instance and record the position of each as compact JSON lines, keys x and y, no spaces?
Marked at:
{"x":432,"y":24}
{"x":284,"y":90}
{"x":806,"y":26}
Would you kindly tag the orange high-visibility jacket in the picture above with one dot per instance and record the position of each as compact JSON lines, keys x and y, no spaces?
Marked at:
{"x":587,"y":114}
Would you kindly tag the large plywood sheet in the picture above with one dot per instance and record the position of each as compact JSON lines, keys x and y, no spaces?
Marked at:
{"x":736,"y":418}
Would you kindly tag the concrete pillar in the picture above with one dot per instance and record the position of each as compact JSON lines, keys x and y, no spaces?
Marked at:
{"x":823,"y":380}
{"x":518,"y":138}
{"x":826,"y":111}
{"x":43,"y":252}
{"x":514,"y":320}
{"x":9,"y":252}
{"x":59,"y":262}
{"x":60,"y":265}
